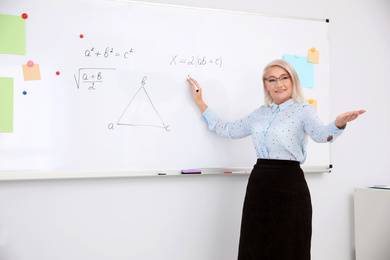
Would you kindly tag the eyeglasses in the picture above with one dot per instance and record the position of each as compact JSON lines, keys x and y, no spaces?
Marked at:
{"x":273,"y":80}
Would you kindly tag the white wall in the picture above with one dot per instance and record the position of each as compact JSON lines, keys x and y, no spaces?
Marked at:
{"x":197,"y":217}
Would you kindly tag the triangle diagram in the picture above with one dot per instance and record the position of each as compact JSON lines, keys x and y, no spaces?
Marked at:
{"x":141,"y":112}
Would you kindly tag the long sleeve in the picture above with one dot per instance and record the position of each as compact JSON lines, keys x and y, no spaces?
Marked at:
{"x":314,"y":127}
{"x":237,"y":129}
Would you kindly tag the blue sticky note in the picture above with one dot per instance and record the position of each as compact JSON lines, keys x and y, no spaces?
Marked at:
{"x":304,"y":69}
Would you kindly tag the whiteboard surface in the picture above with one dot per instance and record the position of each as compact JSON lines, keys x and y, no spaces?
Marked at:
{"x":122,"y":101}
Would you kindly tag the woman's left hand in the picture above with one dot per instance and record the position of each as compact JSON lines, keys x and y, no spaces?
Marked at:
{"x":343,"y":119}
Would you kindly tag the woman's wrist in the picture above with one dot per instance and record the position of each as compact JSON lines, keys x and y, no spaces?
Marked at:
{"x":202,"y":105}
{"x":339,"y":125}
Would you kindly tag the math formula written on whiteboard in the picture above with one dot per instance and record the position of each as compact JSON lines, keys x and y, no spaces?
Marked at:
{"x":140,"y":111}
{"x":91,"y":77}
{"x":196,"y":61}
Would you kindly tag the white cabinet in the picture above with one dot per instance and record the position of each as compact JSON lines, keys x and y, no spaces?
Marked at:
{"x":372,"y":224}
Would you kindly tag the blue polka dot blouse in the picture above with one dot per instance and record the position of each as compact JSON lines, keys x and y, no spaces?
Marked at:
{"x":278,"y":132}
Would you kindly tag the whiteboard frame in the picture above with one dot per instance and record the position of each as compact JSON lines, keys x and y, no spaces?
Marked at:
{"x":221,"y":10}
{"x":63,"y":175}
{"x":237,"y":171}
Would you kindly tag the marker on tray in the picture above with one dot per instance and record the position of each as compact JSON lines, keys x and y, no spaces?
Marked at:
{"x":189,"y":78}
{"x":191,"y":171}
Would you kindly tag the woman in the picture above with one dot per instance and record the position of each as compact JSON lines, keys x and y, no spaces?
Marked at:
{"x":277,"y":212}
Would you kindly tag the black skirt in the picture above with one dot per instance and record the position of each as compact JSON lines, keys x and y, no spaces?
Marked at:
{"x":277,"y":213}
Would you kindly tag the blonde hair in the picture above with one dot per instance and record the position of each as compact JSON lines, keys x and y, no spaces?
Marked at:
{"x":297,"y":92}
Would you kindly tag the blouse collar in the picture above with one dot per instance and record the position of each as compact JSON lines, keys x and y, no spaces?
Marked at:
{"x":283,"y":105}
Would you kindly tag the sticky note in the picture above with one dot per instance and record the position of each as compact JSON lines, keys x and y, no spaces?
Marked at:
{"x":12,"y":34}
{"x":6,"y":105}
{"x":312,"y":102}
{"x":31,"y":73}
{"x":304,"y":69}
{"x":313,"y":56}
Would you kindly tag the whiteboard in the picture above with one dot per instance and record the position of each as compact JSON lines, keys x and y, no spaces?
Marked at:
{"x":121,"y":101}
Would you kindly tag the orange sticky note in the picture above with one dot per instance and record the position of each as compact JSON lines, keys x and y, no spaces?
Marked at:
{"x":312,"y":102}
{"x":31,"y":73}
{"x":313,"y":56}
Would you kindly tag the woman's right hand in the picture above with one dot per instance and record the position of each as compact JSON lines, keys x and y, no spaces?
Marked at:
{"x":197,"y":94}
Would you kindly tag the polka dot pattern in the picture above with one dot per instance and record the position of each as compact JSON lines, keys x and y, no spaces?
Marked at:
{"x":278,"y":132}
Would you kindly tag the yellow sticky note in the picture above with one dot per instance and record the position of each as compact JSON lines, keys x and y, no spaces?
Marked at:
{"x":31,"y":73}
{"x":6,"y":105}
{"x":312,"y":102}
{"x":313,"y":56}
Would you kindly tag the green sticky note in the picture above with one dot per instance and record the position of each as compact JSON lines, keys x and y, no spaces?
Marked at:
{"x":12,"y":34}
{"x":6,"y":105}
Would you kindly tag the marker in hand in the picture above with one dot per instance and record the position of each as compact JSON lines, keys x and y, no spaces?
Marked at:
{"x":189,"y":78}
